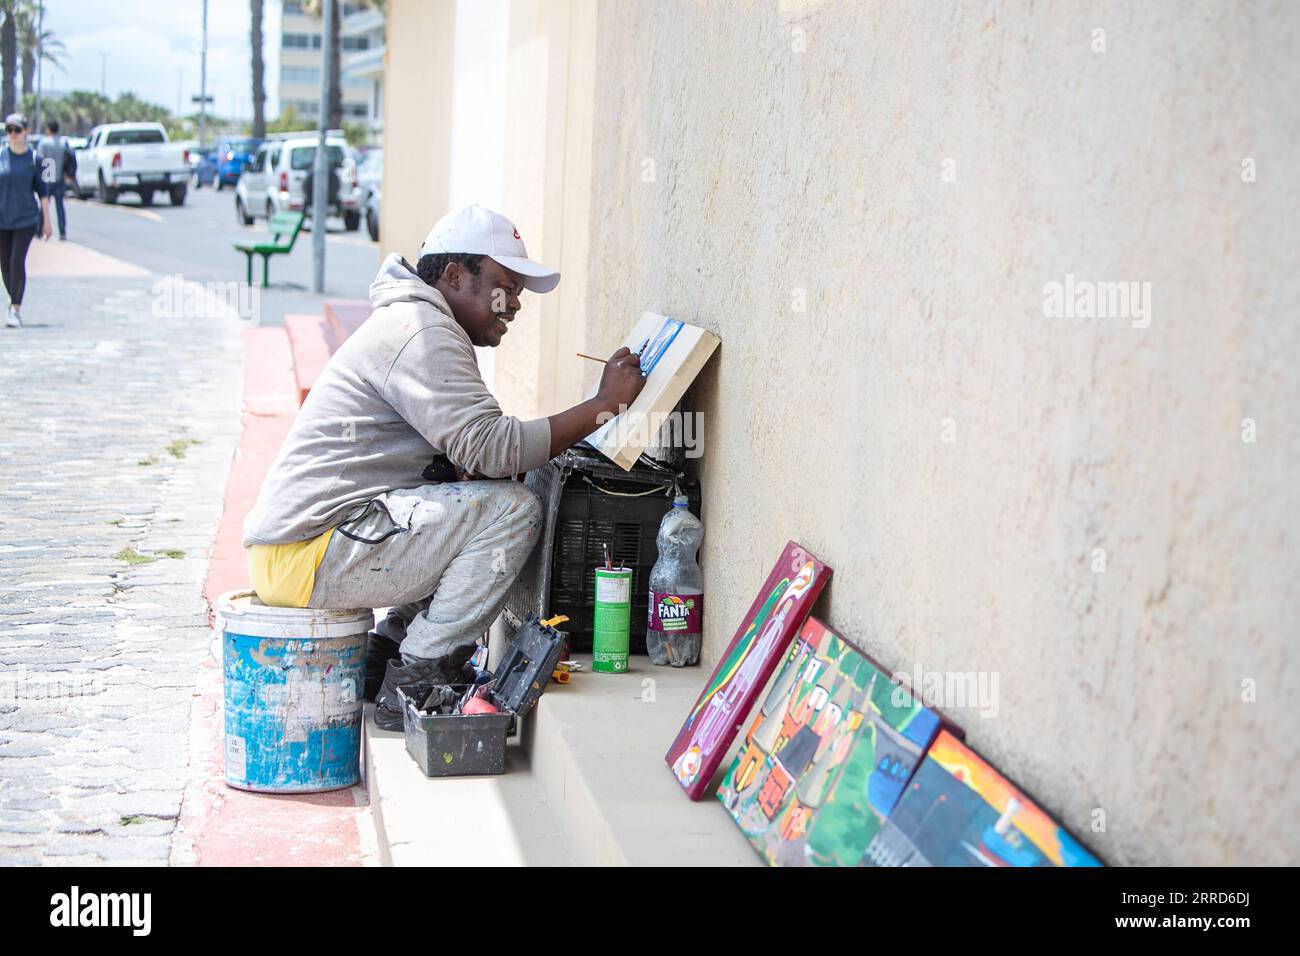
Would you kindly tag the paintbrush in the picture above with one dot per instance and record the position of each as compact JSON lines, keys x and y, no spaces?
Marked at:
{"x":602,"y":361}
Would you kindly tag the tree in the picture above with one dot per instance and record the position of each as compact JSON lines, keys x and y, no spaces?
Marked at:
{"x":289,"y":122}
{"x":334,"y":116}
{"x":8,"y":54}
{"x":29,"y":42}
{"x":80,"y":110}
{"x":336,"y":82}
{"x":259,"y":67}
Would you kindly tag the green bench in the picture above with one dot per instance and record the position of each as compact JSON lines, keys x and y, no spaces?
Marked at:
{"x":284,"y":228}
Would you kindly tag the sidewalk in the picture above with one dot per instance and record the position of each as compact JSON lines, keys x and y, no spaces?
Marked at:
{"x":119,"y":433}
{"x":122,"y":429}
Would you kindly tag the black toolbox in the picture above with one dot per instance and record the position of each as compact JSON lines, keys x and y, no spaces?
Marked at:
{"x":455,"y":745}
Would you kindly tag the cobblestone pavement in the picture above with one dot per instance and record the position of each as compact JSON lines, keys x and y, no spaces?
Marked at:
{"x":118,"y":431}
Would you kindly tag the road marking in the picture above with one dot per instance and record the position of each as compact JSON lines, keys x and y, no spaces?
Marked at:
{"x":142,"y":213}
{"x":353,"y":241}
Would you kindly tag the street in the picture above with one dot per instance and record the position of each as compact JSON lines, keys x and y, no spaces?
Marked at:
{"x":196,"y":241}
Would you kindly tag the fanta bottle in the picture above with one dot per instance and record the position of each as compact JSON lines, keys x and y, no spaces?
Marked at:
{"x":676,"y":623}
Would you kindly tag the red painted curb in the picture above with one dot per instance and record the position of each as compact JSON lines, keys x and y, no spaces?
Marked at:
{"x":218,"y":825}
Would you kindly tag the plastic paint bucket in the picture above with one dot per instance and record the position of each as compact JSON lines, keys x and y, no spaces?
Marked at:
{"x":293,"y":682}
{"x":612,"y":620}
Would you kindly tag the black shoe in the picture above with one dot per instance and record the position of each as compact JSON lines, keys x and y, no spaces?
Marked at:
{"x":417,"y":679}
{"x":379,"y":651}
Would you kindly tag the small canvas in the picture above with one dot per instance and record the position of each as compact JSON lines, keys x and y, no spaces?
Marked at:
{"x":958,"y":811}
{"x":786,"y":598}
{"x":827,"y":756}
{"x":672,"y":354}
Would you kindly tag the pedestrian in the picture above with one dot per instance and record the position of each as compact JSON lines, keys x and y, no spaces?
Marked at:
{"x":22,"y":180}
{"x":392,"y":488}
{"x":60,"y":160}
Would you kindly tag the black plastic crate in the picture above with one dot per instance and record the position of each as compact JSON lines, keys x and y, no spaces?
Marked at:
{"x":589,"y":502}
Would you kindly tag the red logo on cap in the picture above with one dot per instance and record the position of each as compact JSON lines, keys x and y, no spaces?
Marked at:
{"x":519,"y":237}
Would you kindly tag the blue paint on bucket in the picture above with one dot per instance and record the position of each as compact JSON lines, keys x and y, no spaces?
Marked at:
{"x":293,"y":687}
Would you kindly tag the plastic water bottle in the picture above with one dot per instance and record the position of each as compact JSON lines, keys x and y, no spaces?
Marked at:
{"x":676,"y":623}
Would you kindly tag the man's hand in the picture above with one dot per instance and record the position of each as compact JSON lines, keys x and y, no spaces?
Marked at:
{"x":620,"y":384}
{"x":622,"y":381}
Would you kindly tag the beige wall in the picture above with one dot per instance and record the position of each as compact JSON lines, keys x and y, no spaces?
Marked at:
{"x":546,"y":192}
{"x":865,"y":202}
{"x":782,"y":173}
{"x":546,"y":115}
{"x":417,"y":102}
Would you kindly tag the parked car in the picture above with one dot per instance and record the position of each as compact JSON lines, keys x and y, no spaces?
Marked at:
{"x":372,"y":211}
{"x":132,"y":157}
{"x":273,"y":181}
{"x":370,"y":171}
{"x":205,"y":167}
{"x":222,"y":165}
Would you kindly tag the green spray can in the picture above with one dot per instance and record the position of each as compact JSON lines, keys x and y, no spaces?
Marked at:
{"x":612,"y":620}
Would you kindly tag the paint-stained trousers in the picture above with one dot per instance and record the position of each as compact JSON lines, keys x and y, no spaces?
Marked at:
{"x":442,"y":556}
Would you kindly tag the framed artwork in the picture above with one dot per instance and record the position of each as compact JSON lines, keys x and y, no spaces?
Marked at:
{"x":958,"y":811}
{"x":760,"y":642}
{"x":827,"y":755}
{"x":672,"y":354}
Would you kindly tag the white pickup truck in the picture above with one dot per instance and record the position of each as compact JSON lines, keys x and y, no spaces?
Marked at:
{"x":132,"y":158}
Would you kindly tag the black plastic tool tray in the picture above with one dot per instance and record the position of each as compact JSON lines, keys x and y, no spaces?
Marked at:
{"x":455,"y":745}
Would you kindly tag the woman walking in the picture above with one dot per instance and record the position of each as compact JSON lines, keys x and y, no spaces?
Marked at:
{"x":21,"y":183}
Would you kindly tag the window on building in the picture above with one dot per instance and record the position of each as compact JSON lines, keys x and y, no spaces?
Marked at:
{"x":355,"y":43}
{"x":292,"y":6}
{"x":299,"y":74}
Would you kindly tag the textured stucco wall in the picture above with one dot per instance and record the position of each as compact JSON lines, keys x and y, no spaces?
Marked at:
{"x":418,"y":60}
{"x":799,"y":149}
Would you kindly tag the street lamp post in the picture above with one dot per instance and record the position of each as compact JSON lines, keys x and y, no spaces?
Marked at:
{"x":40,"y":53}
{"x":322,"y":169}
{"x":203,"y":80}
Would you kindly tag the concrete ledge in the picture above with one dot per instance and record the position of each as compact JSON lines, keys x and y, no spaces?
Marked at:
{"x":585,"y":784}
{"x":504,"y":820}
{"x":597,"y":746}
{"x":308,"y":340}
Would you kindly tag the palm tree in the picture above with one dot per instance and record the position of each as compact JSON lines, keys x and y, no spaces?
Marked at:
{"x":259,"y":68}
{"x":51,"y":50}
{"x":334,"y":116}
{"x":8,"y":54}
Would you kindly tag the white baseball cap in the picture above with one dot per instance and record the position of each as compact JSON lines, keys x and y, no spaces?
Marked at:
{"x":479,"y":231}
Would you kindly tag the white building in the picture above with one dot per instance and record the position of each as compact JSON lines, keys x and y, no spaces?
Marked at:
{"x":361,"y":37}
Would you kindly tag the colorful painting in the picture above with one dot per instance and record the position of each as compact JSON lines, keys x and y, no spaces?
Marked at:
{"x":775,"y":616}
{"x":959,"y":811}
{"x":827,"y":756}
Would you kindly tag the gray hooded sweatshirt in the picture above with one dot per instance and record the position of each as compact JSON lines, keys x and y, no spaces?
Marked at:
{"x":404,"y":389}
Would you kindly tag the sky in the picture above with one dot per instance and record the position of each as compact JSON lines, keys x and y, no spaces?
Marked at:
{"x":153,"y":51}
